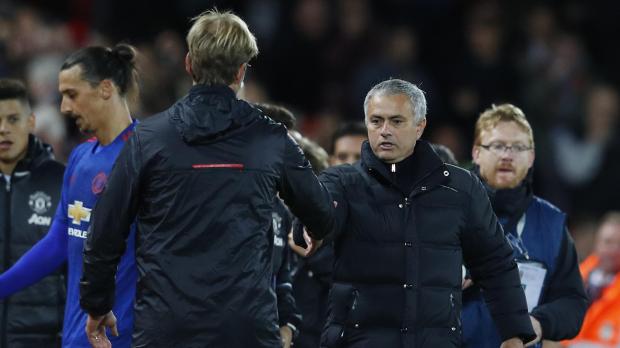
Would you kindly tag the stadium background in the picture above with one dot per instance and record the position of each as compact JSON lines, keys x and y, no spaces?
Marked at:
{"x":557,"y":60}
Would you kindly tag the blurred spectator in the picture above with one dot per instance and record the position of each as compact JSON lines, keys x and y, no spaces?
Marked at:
{"x":601,"y":274}
{"x":451,"y":137}
{"x":289,"y":317}
{"x":42,"y":78}
{"x":279,"y":114}
{"x":346,"y":146}
{"x":312,"y":275}
{"x":322,"y":56}
{"x":299,"y":55}
{"x":586,"y":161}
{"x":445,"y":154}
{"x":484,"y":72}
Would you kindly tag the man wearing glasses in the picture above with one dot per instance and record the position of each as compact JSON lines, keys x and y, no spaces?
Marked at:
{"x":503,"y":154}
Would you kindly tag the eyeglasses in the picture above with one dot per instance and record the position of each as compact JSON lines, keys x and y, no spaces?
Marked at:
{"x":499,"y":148}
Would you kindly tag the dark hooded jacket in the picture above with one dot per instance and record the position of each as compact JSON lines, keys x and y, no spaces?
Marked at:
{"x":202,"y":179}
{"x":33,"y":316}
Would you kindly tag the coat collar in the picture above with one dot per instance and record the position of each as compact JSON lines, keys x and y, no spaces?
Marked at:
{"x":423,"y":166}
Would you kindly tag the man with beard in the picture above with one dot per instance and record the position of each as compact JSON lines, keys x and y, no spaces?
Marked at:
{"x":504,"y":154}
{"x":94,"y":83}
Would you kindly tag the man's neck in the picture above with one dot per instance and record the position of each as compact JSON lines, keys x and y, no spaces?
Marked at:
{"x":234,"y":86}
{"x":7,"y":168}
{"x":116,"y":121}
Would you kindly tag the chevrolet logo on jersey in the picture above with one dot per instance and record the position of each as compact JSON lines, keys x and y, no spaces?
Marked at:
{"x":78,"y":212}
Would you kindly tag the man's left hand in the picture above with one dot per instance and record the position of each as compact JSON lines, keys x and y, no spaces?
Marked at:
{"x":514,"y":342}
{"x":287,"y":336}
{"x":95,"y":330}
{"x":537,"y":330}
{"x":313,"y":244}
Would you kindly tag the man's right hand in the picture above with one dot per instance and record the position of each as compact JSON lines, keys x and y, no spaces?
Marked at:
{"x":296,"y":248}
{"x":95,"y":330}
{"x":514,"y":342}
{"x":313,"y":244}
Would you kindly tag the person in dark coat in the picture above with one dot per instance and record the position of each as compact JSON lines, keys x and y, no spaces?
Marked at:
{"x":200,"y":179}
{"x":289,"y":317}
{"x":30,"y":182}
{"x":504,"y":155}
{"x":313,"y":276}
{"x":405,"y":223}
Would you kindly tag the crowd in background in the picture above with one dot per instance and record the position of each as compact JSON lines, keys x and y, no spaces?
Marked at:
{"x":555,"y":59}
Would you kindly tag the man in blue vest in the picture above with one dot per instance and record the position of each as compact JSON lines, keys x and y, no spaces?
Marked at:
{"x":503,"y":153}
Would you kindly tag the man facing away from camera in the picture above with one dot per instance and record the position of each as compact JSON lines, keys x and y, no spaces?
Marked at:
{"x":200,"y":180}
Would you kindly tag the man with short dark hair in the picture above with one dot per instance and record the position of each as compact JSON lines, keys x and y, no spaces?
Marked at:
{"x":347,"y":143}
{"x":279,"y":114}
{"x":30,"y":184}
{"x":313,"y":276}
{"x":289,"y":317}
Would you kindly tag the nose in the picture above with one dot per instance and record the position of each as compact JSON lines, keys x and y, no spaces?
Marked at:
{"x":4,"y":128}
{"x":385,"y":129}
{"x":507,"y":154}
{"x":65,"y":105}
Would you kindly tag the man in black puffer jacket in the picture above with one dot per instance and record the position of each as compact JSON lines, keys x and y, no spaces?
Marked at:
{"x":30,"y":184}
{"x":405,"y":223}
{"x":201,"y":179}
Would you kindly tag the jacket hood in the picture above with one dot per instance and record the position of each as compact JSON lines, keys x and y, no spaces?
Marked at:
{"x":209,"y":113}
{"x":38,"y":152}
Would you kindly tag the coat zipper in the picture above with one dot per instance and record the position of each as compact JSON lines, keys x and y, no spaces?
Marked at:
{"x":7,"y":251}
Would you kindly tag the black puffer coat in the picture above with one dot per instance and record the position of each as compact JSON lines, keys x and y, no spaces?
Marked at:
{"x":401,"y":236}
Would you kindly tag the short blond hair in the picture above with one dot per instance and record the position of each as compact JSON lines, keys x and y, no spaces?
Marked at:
{"x":218,"y":44}
{"x":492,"y":116}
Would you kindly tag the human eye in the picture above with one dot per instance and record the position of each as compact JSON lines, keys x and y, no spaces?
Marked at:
{"x":499,"y":147}
{"x":13,"y":119}
{"x":70,"y":94}
{"x":397,"y":122}
{"x":375,"y":121}
{"x":520,"y":147}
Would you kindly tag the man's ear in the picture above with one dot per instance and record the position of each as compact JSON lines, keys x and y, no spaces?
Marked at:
{"x":475,"y":153}
{"x":240,"y":76}
{"x":420,"y":128}
{"x":188,"y":67}
{"x":32,"y":122}
{"x":106,"y":89}
{"x":532,"y":158}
